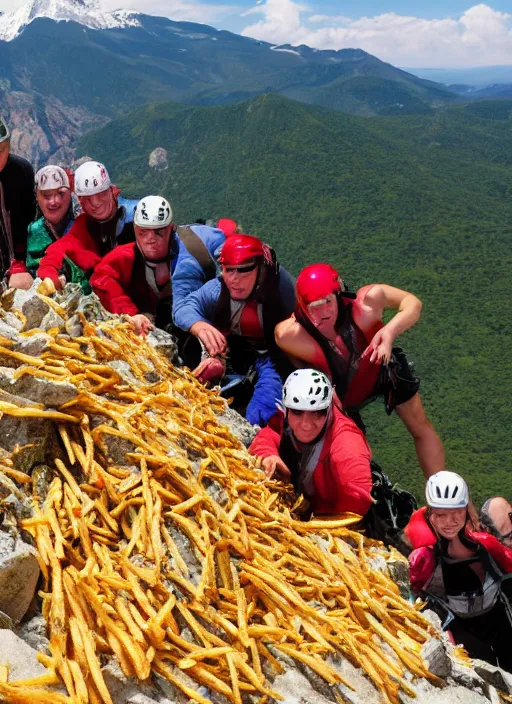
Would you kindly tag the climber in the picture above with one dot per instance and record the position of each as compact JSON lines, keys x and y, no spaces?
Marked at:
{"x":342,"y":334}
{"x":319,"y":448}
{"x":496,"y":519}
{"x":17,"y":210}
{"x":239,"y":312}
{"x":107,"y":220}
{"x":54,"y":199}
{"x":462,"y":571}
{"x":142,"y":278}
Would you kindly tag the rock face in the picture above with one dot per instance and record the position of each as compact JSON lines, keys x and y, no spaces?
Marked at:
{"x":20,"y":657}
{"x":19,"y":572}
{"x":45,"y":129}
{"x":50,"y":393}
{"x":158,"y":159}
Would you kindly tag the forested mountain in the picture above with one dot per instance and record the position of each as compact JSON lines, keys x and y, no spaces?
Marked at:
{"x":421,"y":202}
{"x":65,"y":66}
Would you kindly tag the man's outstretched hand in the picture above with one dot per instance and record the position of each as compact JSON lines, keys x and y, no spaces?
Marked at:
{"x":274,"y":465}
{"x":379,"y":349}
{"x":210,"y":369}
{"x":141,"y":324}
{"x":212,"y":339}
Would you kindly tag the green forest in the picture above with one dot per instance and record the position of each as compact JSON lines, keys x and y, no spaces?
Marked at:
{"x":422,"y":202}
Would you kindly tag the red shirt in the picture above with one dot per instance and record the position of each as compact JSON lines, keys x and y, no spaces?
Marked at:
{"x":342,"y":478}
{"x":121,"y":285}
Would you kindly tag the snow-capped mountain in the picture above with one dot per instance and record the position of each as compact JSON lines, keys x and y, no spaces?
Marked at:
{"x":86,"y":12}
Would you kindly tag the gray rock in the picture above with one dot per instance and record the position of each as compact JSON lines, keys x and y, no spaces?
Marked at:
{"x":21,"y":296}
{"x":12,"y":320}
{"x":295,"y":689}
{"x":50,"y":393}
{"x":158,"y":159}
{"x":466,"y":677}
{"x":34,"y":633}
{"x":34,"y":309}
{"x":124,"y":370}
{"x":74,"y":326}
{"x":436,"y":658}
{"x":34,"y":345}
{"x":9,"y":332}
{"x":238,"y":425}
{"x":432,"y":618}
{"x":365,"y":692}
{"x":163,"y":343}
{"x":494,"y":676}
{"x":399,"y":573}
{"x":19,"y":572}
{"x":125,"y":690}
{"x":52,"y":320}
{"x":494,"y":696}
{"x":427,"y":694}
{"x":31,"y":438}
{"x":20,"y":657}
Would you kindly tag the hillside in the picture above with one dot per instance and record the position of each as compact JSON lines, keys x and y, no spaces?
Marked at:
{"x":94,"y":66}
{"x":419,"y":202}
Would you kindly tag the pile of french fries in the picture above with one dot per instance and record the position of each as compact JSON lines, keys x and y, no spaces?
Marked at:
{"x":271,"y":589}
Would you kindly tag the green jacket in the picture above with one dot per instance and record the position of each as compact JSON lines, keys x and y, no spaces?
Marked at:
{"x":40,"y":236}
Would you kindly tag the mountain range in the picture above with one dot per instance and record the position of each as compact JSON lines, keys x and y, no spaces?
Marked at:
{"x":421,"y":202}
{"x":68,"y":66}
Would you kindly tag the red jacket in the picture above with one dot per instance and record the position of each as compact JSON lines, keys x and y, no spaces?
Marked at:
{"x":120,"y":283}
{"x":422,"y":561}
{"x":77,"y":244}
{"x":342,"y":477}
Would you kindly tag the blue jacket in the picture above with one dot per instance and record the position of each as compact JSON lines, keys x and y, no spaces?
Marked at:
{"x":187,"y":273}
{"x":200,"y":305}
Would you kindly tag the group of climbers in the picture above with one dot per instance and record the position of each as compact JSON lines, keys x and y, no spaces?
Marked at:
{"x":301,"y":358}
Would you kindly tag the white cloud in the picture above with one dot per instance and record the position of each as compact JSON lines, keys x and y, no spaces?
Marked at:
{"x":481,"y":36}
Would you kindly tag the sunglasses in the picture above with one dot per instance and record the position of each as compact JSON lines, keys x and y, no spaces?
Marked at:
{"x":320,"y":414}
{"x":240,"y":269}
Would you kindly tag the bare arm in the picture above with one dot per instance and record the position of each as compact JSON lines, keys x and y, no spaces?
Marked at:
{"x":382,"y":297}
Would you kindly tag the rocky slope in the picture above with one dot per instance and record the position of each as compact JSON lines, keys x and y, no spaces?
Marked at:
{"x":170,"y":572}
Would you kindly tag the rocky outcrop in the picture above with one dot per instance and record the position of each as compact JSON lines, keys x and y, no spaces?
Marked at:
{"x":43,"y":129}
{"x":158,"y":159}
{"x":118,"y":453}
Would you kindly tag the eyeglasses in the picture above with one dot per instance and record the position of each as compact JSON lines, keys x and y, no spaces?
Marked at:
{"x":298,"y":413}
{"x":240,"y":269}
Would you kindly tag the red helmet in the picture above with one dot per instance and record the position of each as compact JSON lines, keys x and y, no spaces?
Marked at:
{"x":238,"y":249}
{"x":318,"y":281}
{"x":227,"y":226}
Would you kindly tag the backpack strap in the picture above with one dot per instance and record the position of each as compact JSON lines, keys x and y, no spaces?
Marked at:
{"x":196,"y":248}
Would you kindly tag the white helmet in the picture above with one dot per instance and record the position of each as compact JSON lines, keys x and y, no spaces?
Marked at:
{"x":307,"y":390}
{"x":446,"y":490}
{"x":91,"y":178}
{"x":153,"y":212}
